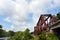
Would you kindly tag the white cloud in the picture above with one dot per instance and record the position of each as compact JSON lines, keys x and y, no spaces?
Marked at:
{"x":17,"y":11}
{"x":57,"y":3}
{"x":10,"y":28}
{"x":7,"y":19}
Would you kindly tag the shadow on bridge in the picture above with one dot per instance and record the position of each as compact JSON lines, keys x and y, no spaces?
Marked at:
{"x":57,"y":32}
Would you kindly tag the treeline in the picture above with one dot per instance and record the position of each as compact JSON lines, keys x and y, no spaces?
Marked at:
{"x":3,"y":33}
{"x":27,"y":35}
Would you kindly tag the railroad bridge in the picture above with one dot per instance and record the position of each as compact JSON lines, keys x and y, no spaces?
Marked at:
{"x":47,"y":23}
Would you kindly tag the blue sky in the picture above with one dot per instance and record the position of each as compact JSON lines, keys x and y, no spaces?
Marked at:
{"x":17,"y":15}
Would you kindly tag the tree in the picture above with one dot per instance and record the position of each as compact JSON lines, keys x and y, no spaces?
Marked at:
{"x":58,"y":15}
{"x":17,"y":36}
{"x":27,"y":35}
{"x":2,"y":33}
{"x":11,"y":33}
{"x":47,"y":36}
{"x":22,"y":35}
{"x":0,"y":26}
{"x":42,"y":36}
{"x":51,"y":36}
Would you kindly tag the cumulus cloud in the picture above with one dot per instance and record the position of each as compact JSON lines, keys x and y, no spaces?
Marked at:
{"x":17,"y":11}
{"x":56,"y":3}
{"x":11,"y":28}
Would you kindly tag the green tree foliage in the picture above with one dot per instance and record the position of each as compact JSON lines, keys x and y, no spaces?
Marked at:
{"x":26,"y":35}
{"x":47,"y":36}
{"x":11,"y":33}
{"x":51,"y":36}
{"x":42,"y":36}
{"x":18,"y":36}
{"x":58,"y":15}
{"x":0,"y":26}
{"x":22,"y":35}
{"x":2,"y":32}
{"x":35,"y":38}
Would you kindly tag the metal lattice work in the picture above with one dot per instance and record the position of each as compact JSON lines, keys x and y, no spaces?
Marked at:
{"x":44,"y":21}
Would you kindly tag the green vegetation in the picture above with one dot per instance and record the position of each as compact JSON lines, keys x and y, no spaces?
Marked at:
{"x":22,"y":35}
{"x":3,"y":33}
{"x":26,"y":35}
{"x":58,"y":15}
{"x":0,"y":26}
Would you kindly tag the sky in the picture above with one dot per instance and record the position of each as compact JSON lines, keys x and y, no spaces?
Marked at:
{"x":17,"y":15}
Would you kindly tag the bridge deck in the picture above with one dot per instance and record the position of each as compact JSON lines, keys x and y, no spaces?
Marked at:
{"x":55,"y":25}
